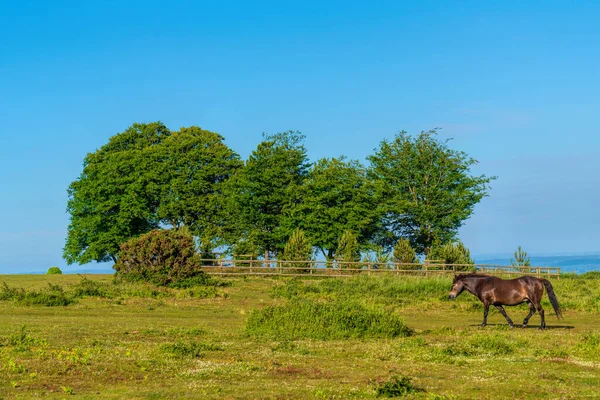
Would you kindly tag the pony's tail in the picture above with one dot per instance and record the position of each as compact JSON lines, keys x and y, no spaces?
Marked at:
{"x":552,"y":297}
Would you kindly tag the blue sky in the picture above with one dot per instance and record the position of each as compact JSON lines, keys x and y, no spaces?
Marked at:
{"x":516,"y":85}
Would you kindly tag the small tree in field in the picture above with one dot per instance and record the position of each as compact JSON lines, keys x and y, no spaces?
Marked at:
{"x":298,"y":249}
{"x":452,"y":253}
{"x":521,"y":259}
{"x":405,"y":254}
{"x":160,"y":257}
{"x":348,"y":250}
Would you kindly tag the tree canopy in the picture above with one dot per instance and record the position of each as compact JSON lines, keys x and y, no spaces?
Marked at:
{"x":336,"y":196}
{"x":144,"y":178}
{"x":425,"y":189}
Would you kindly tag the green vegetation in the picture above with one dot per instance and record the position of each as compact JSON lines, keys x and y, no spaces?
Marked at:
{"x":452,"y":253}
{"x":298,"y":249}
{"x":149,"y":177}
{"x":326,"y":321}
{"x":348,"y":250}
{"x":161,"y":257}
{"x":520,"y":258}
{"x":405,"y":254}
{"x":54,"y":271}
{"x":136,"y":340}
{"x":425,"y":189}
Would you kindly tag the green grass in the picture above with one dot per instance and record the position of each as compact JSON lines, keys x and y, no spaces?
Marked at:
{"x":141,"y":342}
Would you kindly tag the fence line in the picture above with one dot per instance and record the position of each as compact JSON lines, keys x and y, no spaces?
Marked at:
{"x":337,"y":268}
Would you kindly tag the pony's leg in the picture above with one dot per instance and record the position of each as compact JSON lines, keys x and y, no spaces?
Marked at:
{"x":540,"y":311}
{"x":501,"y":309}
{"x":531,"y":312}
{"x":486,"y":309}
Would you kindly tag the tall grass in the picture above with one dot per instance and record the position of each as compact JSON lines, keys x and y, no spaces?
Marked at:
{"x":304,"y":319}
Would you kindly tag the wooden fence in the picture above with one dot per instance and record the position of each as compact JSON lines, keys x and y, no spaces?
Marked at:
{"x":241,"y":267}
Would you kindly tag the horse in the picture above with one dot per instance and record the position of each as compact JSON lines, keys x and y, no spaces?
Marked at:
{"x":498,"y":292}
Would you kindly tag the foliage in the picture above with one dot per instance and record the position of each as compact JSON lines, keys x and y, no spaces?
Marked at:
{"x":111,"y":202}
{"x":267,"y":184}
{"x":326,"y":321}
{"x":160,"y":257}
{"x":188,"y":349}
{"x":405,"y":254}
{"x":298,"y":249}
{"x":145,"y":177}
{"x":189,"y":171}
{"x":54,"y":271}
{"x":520,"y":258}
{"x":395,"y":386}
{"x":452,"y":253}
{"x":51,"y":296}
{"x":425,"y":189}
{"x":336,"y":196}
{"x":347,"y":250}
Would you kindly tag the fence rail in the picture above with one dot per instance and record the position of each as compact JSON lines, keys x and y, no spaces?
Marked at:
{"x":241,"y":267}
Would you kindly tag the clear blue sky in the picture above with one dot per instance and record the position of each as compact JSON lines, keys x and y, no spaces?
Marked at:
{"x":515,"y":83}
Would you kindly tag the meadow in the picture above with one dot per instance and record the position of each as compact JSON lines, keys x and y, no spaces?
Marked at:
{"x":70,"y":336}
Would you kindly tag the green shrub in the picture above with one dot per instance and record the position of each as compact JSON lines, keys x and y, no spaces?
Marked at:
{"x":188,"y":349}
{"x":90,"y":288}
{"x":395,"y":387}
{"x":452,"y":253}
{"x":160,"y":257}
{"x":54,"y":271}
{"x":303,"y":319}
{"x":297,"y":249}
{"x":348,"y":250}
{"x":52,"y":296}
{"x":405,"y":254}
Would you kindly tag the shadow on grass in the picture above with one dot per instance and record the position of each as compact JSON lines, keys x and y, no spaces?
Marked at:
{"x":517,"y":326}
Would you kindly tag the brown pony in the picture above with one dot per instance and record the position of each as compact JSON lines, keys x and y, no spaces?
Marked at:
{"x":492,"y":290}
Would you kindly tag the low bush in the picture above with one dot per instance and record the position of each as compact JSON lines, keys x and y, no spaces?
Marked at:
{"x":303,"y":319}
{"x":161,"y":257}
{"x":188,"y":349}
{"x":54,"y":271}
{"x":395,"y":386}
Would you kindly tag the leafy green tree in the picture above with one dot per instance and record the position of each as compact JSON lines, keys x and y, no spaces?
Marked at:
{"x":520,"y":258}
{"x":348,"y":250}
{"x":336,"y":196}
{"x":144,"y":178}
{"x":192,"y":167}
{"x":404,"y":254}
{"x":109,"y":202}
{"x":267,"y":184}
{"x":298,"y":249}
{"x":425,"y":189}
{"x":452,"y":253}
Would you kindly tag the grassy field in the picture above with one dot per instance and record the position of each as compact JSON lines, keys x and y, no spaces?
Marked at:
{"x":239,"y":341}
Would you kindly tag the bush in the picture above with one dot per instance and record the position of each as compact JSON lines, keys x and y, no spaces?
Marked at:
{"x":160,"y":257}
{"x":405,"y":254}
{"x":452,"y":253}
{"x":52,"y":296}
{"x":347,"y":250}
{"x":395,"y":387}
{"x":303,"y":319}
{"x":54,"y":271}
{"x":298,"y":249}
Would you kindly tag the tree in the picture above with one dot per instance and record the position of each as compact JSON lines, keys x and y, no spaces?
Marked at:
{"x":347,"y":250}
{"x":520,"y":258}
{"x":335,"y":197}
{"x":425,"y":189}
{"x":404,"y":254}
{"x":193,"y":166}
{"x":145,"y":178}
{"x":298,"y":249}
{"x":452,"y":253}
{"x":267,"y":184}
{"x":109,"y":203}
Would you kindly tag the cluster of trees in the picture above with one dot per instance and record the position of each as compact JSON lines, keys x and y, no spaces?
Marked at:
{"x":416,"y":192}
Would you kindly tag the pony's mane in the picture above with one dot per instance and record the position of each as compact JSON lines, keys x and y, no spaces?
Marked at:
{"x":470,"y":275}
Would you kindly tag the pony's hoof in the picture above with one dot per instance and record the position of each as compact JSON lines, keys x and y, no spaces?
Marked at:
{"x":482,"y":325}
{"x":511,"y":325}
{"x":524,"y":326}
{"x":541,"y":328}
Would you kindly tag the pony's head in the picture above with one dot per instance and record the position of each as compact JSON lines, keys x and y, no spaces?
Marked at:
{"x":457,"y":286}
